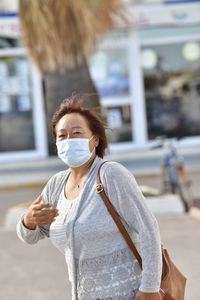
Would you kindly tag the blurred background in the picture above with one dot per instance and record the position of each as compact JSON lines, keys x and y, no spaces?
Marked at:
{"x":145,"y":68}
{"x":141,"y":62}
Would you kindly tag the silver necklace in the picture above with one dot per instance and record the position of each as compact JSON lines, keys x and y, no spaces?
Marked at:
{"x":76,"y":185}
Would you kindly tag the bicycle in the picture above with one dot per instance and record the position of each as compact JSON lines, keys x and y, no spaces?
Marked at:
{"x":174,"y":175}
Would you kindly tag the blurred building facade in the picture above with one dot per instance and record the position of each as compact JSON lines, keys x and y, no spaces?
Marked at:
{"x":22,"y":113}
{"x":147,"y":73}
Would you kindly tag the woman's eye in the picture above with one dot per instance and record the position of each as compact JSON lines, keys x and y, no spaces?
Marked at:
{"x":61,"y":136}
{"x":77,"y":132}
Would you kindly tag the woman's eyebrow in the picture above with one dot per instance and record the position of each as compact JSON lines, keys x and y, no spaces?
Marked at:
{"x":79,"y":127}
{"x":74,"y":127}
{"x":61,"y":130}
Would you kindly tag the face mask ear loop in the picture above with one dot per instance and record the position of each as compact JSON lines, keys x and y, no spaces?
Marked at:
{"x":94,"y":145}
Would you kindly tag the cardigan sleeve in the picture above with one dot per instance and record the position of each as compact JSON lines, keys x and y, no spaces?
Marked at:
{"x":33,"y":236}
{"x":50,"y":194}
{"x":123,"y":191}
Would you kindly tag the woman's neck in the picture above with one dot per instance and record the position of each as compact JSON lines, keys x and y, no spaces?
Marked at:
{"x":78,"y":173}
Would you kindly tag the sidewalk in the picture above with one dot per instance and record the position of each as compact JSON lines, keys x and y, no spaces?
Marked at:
{"x":33,"y":173}
{"x":145,"y":165}
{"x":180,"y":232}
{"x":39,"y":271}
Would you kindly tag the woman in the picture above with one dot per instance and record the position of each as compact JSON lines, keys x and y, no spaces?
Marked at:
{"x":71,"y":212}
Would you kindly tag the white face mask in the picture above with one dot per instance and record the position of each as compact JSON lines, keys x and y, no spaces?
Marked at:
{"x":74,"y":152}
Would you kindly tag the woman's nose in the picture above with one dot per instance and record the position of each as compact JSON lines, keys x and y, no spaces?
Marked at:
{"x":68,"y":136}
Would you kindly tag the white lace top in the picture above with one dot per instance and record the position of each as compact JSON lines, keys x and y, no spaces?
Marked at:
{"x":100,"y":264}
{"x":119,"y":269}
{"x":58,"y":229}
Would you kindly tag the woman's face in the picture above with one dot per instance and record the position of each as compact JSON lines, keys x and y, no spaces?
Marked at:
{"x":74,"y":125}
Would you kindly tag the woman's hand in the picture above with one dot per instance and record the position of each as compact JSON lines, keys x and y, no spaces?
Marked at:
{"x":39,"y":214}
{"x":148,"y":296}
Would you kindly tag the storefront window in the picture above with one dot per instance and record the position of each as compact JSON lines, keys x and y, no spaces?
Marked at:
{"x":109,"y":70}
{"x":119,"y":123}
{"x":8,"y":43}
{"x":16,"y":121}
{"x":172,"y":88}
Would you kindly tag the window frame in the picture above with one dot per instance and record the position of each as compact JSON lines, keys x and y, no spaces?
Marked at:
{"x":38,"y":113}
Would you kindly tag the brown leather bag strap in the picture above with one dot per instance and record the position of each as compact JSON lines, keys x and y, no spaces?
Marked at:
{"x":116,"y":218}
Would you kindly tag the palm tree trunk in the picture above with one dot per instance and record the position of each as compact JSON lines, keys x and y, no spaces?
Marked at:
{"x":60,"y":85}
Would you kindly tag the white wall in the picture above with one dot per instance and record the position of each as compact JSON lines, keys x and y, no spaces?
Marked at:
{"x":8,"y":5}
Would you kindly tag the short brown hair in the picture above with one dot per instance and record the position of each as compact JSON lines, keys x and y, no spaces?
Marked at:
{"x":92,"y":115}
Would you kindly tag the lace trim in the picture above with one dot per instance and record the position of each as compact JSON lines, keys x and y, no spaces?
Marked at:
{"x":129,"y":296}
{"x":114,"y":275}
{"x":110,"y":260}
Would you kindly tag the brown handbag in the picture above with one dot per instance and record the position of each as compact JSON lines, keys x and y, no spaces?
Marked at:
{"x":173,"y":281}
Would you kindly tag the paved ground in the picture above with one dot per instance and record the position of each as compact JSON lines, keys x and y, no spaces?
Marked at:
{"x":38,"y":272}
{"x":11,"y":197}
{"x":33,"y":172}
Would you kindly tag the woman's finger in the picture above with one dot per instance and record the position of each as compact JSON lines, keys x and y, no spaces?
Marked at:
{"x":38,"y":200}
{"x":48,"y":212}
{"x":42,"y":205}
{"x":45,"y":221}
{"x":36,"y":214}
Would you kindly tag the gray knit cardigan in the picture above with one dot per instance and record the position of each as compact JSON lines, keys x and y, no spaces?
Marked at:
{"x":100,"y":264}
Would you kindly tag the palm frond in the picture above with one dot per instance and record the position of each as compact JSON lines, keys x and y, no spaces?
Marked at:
{"x":60,"y":33}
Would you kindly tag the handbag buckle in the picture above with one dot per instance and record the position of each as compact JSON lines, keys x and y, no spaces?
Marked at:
{"x":99,"y":188}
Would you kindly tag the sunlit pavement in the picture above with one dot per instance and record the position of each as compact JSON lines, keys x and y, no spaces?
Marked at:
{"x":35,"y":173}
{"x":38,"y":272}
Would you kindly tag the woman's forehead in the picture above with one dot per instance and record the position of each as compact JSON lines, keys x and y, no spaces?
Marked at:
{"x":72,"y":120}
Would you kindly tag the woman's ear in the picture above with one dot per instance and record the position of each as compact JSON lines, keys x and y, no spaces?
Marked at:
{"x":96,"y":141}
